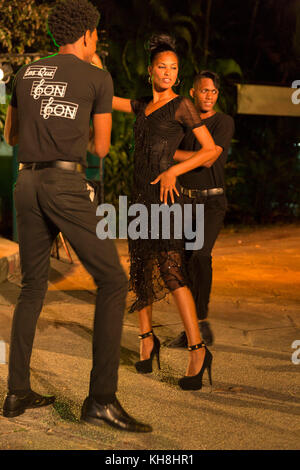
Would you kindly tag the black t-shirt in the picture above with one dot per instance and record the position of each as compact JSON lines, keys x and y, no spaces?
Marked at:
{"x":221,"y":127}
{"x":56,"y":97}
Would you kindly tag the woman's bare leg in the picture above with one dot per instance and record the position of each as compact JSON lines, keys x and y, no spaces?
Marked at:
{"x":145,"y":322}
{"x":187,"y":309}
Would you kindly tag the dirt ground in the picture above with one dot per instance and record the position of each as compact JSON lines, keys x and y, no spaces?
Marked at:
{"x":255,"y":316}
{"x":249,"y":263}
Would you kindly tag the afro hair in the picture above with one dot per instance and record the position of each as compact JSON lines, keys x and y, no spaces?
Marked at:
{"x":70,"y":19}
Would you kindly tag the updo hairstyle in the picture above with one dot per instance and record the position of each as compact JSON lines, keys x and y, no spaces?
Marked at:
{"x":160,"y":43}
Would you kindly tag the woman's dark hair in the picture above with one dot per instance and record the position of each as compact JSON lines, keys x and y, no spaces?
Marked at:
{"x":70,"y":19}
{"x":160,"y":43}
{"x":208,"y":74}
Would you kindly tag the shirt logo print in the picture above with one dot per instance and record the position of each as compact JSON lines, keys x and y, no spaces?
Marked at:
{"x":58,"y":108}
{"x":40,"y":71}
{"x":44,"y":88}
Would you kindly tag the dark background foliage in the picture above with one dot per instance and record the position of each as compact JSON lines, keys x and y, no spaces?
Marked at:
{"x":254,"y":41}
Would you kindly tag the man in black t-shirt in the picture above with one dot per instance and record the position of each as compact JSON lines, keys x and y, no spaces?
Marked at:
{"x":205,"y":185}
{"x":52,"y":103}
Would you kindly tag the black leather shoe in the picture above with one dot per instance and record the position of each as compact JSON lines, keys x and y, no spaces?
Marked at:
{"x":15,"y":405}
{"x":113,"y":414}
{"x":206,"y":333}
{"x":179,"y":342}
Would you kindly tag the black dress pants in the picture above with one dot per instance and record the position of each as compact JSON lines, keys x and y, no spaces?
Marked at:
{"x":49,"y":201}
{"x":199,"y":262}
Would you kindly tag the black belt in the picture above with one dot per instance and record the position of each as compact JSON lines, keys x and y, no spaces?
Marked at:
{"x":63,"y":164}
{"x":201,"y":192}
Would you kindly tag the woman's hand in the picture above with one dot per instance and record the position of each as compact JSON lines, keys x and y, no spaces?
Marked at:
{"x":97,"y":61}
{"x":167,"y":185}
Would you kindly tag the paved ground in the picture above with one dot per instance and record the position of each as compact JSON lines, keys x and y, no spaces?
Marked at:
{"x":255,"y":314}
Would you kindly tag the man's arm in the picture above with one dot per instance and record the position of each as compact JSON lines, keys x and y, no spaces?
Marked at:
{"x":11,"y":128}
{"x":102,"y":133}
{"x":222,"y":136}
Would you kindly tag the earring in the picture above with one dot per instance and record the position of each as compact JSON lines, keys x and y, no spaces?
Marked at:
{"x":177,"y":82}
{"x":149,"y":80}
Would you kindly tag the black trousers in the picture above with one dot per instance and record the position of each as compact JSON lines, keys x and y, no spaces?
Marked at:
{"x":199,"y":262}
{"x":49,"y":201}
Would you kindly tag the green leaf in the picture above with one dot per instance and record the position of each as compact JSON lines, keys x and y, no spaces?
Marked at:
{"x":227,"y":67}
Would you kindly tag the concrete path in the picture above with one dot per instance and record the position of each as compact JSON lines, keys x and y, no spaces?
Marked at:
{"x":255,"y":315}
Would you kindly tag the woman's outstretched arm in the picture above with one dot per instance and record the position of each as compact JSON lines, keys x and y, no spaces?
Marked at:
{"x":122,"y":104}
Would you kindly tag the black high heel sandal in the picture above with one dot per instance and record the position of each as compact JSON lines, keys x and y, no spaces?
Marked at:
{"x":194,"y":382}
{"x":145,"y":367}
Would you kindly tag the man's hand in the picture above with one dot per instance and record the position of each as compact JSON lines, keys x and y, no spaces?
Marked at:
{"x":167,"y":185}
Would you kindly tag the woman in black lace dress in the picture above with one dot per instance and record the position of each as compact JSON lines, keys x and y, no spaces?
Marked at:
{"x":157,"y":264}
